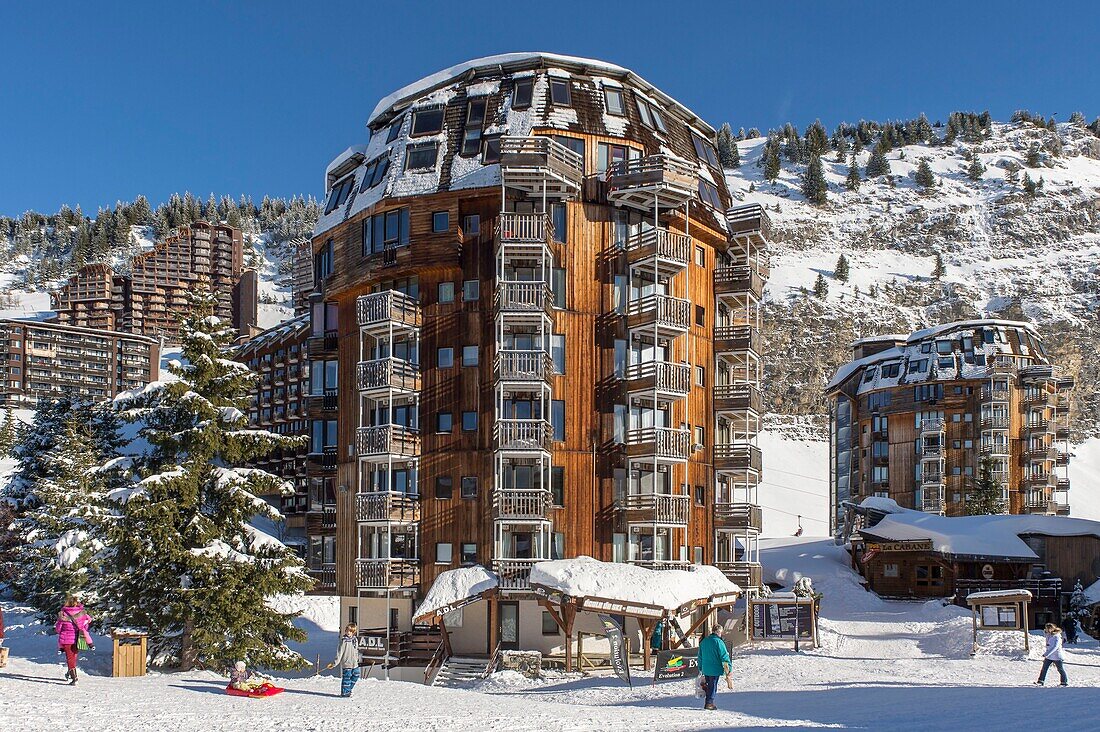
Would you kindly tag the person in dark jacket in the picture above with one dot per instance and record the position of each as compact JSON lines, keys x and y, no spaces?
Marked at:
{"x":714,"y":661}
{"x":1072,"y":628}
{"x":655,"y":639}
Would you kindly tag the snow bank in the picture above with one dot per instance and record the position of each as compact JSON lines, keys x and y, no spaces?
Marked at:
{"x":453,"y":586}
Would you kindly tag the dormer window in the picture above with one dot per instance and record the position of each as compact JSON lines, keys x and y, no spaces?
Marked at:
{"x":560,"y":95}
{"x":375,"y":172}
{"x":421,"y":157}
{"x":705,"y":151}
{"x":475,"y":119}
{"x":428,"y":121}
{"x":613,"y":100}
{"x":340,"y":193}
{"x":394,"y":131}
{"x":521,"y":95}
{"x":651,"y":116}
{"x":708,"y":194}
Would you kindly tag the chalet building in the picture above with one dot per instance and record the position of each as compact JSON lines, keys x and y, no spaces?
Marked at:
{"x":45,"y":360}
{"x":545,"y":315}
{"x":296,"y":395}
{"x":148,"y":299}
{"x":912,"y":417}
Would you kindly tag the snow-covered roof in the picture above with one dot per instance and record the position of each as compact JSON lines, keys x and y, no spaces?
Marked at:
{"x":669,"y":589}
{"x":998,"y":595}
{"x":978,"y":536}
{"x":453,"y":587}
{"x":410,"y":92}
{"x":352,"y":153}
{"x":274,"y":333}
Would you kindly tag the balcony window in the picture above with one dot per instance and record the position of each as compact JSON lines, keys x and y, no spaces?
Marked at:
{"x":469,"y":355}
{"x":469,"y":487}
{"x":475,"y":120}
{"x":613,"y":100}
{"x":444,"y":422}
{"x":522,"y":93}
{"x":471,"y":224}
{"x":444,"y":486}
{"x":443,"y":553}
{"x":421,"y":157}
{"x":560,"y":95}
{"x":469,"y":421}
{"x":427,"y":121}
{"x":608,"y":154}
{"x":446,"y":292}
{"x":445,"y":358}
{"x":469,"y":556}
{"x":340,"y":192}
{"x":557,"y":418}
{"x":705,"y":150}
{"x":322,"y":434}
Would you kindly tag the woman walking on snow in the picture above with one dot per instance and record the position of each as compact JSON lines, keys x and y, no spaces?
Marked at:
{"x":714,"y":661}
{"x":1053,"y":654}
{"x":72,"y":627}
{"x":347,"y":658}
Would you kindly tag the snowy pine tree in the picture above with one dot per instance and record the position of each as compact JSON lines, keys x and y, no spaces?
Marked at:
{"x":814,"y":185}
{"x":853,"y":180}
{"x":939,"y":269}
{"x":985,"y":496}
{"x":924,"y":176}
{"x":728,"y":155}
{"x":1079,"y":603}
{"x":975,"y":170}
{"x":821,"y":287}
{"x":840,"y":272}
{"x":878,"y":165}
{"x":192,"y":568}
{"x":771,"y":159}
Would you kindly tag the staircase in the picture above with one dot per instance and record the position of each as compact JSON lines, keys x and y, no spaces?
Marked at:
{"x":459,"y":671}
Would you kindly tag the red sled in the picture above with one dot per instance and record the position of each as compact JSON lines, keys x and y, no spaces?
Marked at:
{"x":260,"y":693}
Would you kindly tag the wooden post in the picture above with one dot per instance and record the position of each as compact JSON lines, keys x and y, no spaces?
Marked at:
{"x":695,"y":627}
{"x":974,"y":618}
{"x":1027,"y":624}
{"x":568,"y":615}
{"x":494,"y":623}
{"x":647,"y":633}
{"x":446,"y":638}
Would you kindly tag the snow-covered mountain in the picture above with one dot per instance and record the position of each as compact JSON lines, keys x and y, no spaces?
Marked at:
{"x":1006,"y":251}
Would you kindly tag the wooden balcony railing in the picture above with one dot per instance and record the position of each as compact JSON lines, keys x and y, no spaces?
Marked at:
{"x":744,"y":574}
{"x":380,"y":574}
{"x":522,"y":434}
{"x":746,"y":516}
{"x":736,"y":338}
{"x":324,"y":578}
{"x":657,"y":508}
{"x":524,"y":365}
{"x":513,"y":296}
{"x":737,"y":397}
{"x":387,"y":373}
{"x":522,"y":504}
{"x":387,"y":507}
{"x":659,"y":442}
{"x":737,"y":456}
{"x":932,"y":501}
{"x":994,"y":395}
{"x":748,"y":219}
{"x":661,"y":565}
{"x":931,"y":425}
{"x":668,"y":379}
{"x":514,"y":574}
{"x":524,"y":159}
{"x":387,"y":439}
{"x":660,"y":172}
{"x":668,"y":313}
{"x":737,"y":279}
{"x":672,"y":247}
{"x":525,"y":228}
{"x":995,"y":421}
{"x":387,"y":307}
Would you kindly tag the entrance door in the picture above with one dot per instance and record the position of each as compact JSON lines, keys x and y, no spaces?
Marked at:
{"x":509,"y":626}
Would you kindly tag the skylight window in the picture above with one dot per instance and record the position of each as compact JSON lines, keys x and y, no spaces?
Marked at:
{"x":560,"y":94}
{"x":394,"y":131}
{"x":421,"y":157}
{"x":613,"y":99}
{"x":521,"y":95}
{"x":475,"y":119}
{"x":705,"y":151}
{"x":427,"y":121}
{"x":340,"y":193}
{"x":375,"y":172}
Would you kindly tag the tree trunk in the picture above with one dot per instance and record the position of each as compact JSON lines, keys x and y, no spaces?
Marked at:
{"x":188,"y":652}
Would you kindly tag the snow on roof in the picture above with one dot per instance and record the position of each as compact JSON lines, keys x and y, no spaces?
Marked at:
{"x":454,"y":586}
{"x":1092,"y":593}
{"x":980,"y":536}
{"x":845,"y":371}
{"x":998,"y":595}
{"x":936,"y":330}
{"x":669,"y":588}
{"x":348,"y":154}
{"x":881,"y":503}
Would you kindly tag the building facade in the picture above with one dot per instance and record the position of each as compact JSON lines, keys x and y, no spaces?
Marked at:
{"x":148,"y":299}
{"x":913,"y":417}
{"x":545,"y":316}
{"x":45,"y":360}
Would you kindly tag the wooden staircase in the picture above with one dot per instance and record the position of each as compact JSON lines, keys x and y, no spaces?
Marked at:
{"x":460,"y":671}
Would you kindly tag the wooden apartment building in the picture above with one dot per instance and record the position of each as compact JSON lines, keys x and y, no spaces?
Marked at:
{"x":912,"y":417}
{"x":149,"y":297}
{"x":545,"y":316}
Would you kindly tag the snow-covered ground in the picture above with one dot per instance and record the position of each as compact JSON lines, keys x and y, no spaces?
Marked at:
{"x":795,"y":484}
{"x":883,"y":665}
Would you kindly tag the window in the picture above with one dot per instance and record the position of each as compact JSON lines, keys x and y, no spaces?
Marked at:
{"x":394,"y":131}
{"x":557,"y":418}
{"x":375,"y":172}
{"x":607,"y":155}
{"x":475,"y":119}
{"x":323,"y":261}
{"x":521,"y":95}
{"x":917,"y":366}
{"x":441,"y":221}
{"x":471,"y":290}
{"x":549,"y":625}
{"x":443,"y":422}
{"x":557,"y":352}
{"x":445,"y":358}
{"x":700,"y":315}
{"x":428,"y":121}
{"x":700,"y":435}
{"x":421,"y":157}
{"x":557,"y":545}
{"x":651,"y":116}
{"x":490,"y":152}
{"x":705,"y":150}
{"x":471,"y":224}
{"x":575,"y":144}
{"x":700,"y":495}
{"x":386,"y":230}
{"x":340,"y":192}
{"x":443,"y":553}
{"x":557,"y":484}
{"x":469,"y":421}
{"x":469,"y":355}
{"x":700,"y":375}
{"x":889,"y":570}
{"x":613,"y":100}
{"x":469,"y":487}
{"x":444,"y":486}
{"x":446,"y":292}
{"x":559,"y":93}
{"x":929,"y":576}
{"x":560,"y":220}
{"x":469,"y":553}
{"x":700,"y":256}
{"x":968,"y":417}
{"x":557,"y":287}
{"x":708,"y":194}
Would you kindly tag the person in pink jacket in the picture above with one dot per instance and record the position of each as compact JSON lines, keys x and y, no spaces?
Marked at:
{"x":72,"y":622}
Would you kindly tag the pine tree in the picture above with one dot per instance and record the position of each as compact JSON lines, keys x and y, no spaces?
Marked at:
{"x":975,"y":170}
{"x":1030,"y":186}
{"x":7,"y":432}
{"x":878,"y":165}
{"x":1077,"y":119}
{"x":985,"y":495}
{"x":728,"y":155}
{"x":817,"y":140}
{"x":853,"y":180}
{"x":924,"y":176}
{"x":939,"y":269}
{"x":193,"y":571}
{"x":821,"y":287}
{"x":840,"y":142}
{"x":1079,"y":603}
{"x":840,"y":272}
{"x":771,"y":159}
{"x":814,"y":185}
{"x":1034,"y":157}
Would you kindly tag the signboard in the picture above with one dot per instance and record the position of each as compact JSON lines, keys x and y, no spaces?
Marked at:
{"x":869,"y":555}
{"x":682,"y":663}
{"x":783,"y":620}
{"x":987,"y":571}
{"x":620,"y":660}
{"x":912,"y":545}
{"x":996,"y":617}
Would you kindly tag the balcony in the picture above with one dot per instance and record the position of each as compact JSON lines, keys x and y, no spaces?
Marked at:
{"x":664,"y":444}
{"x":994,"y":395}
{"x":666,"y":380}
{"x":738,"y":279}
{"x":325,"y":402}
{"x":523,"y":366}
{"x":523,"y":435}
{"x":737,"y":457}
{"x":749,"y":221}
{"x":383,"y":310}
{"x":539,"y":164}
{"x":933,"y":478}
{"x":995,"y":422}
{"x":932,"y":501}
{"x":380,"y":375}
{"x":931,"y":426}
{"x":740,"y":397}
{"x":523,"y":298}
{"x":744,"y":574}
{"x":1041,"y":454}
{"x":1040,"y":428}
{"x":736,"y":339}
{"x":994,"y":449}
{"x":666,"y":316}
{"x":324,"y":578}
{"x":383,"y":574}
{"x":319,"y":345}
{"x":1038,"y":398}
{"x":387,"y":440}
{"x":657,"y":181}
{"x":522,"y":504}
{"x":667,"y":251}
{"x":386,"y":507}
{"x":664,"y":509}
{"x":528,"y":233}
{"x":661,"y":565}
{"x":1038,"y":481}
{"x":514,"y":574}
{"x":738,"y":516}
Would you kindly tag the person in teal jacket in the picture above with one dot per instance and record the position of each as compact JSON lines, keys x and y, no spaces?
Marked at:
{"x":714,"y":661}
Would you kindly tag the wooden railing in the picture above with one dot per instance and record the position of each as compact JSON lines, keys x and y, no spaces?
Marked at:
{"x":661,"y":564}
{"x":653,"y":170}
{"x":324,"y":578}
{"x":748,"y":219}
{"x":995,"y":421}
{"x":523,"y":296}
{"x":384,"y":307}
{"x":932,"y":501}
{"x":931,"y":425}
{"x":672,"y":312}
{"x":494,"y":659}
{"x":387,"y":506}
{"x":744,"y":574}
{"x":737,"y":456}
{"x":738,"y":516}
{"x":660,"y":508}
{"x":387,"y":439}
{"x":994,"y":395}
{"x":738,"y":278}
{"x":662,"y":442}
{"x":994,"y":448}
{"x":665,"y":376}
{"x":738,"y":396}
{"x":514,"y":574}
{"x":662,"y":243}
{"x":543,"y":152}
{"x":521,"y":503}
{"x":438,"y":659}
{"x":525,"y":227}
{"x":736,"y":338}
{"x":383,"y":573}
{"x":524,"y":365}
{"x":383,"y":373}
{"x":522,"y":434}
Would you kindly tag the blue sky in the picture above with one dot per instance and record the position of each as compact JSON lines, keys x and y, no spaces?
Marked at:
{"x":103,"y":101}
